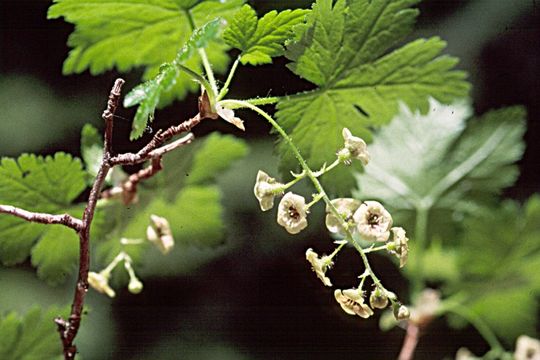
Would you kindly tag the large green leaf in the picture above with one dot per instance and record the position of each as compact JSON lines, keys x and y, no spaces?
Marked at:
{"x":261,"y":39}
{"x":344,"y":50}
{"x":32,"y":337}
{"x":499,"y":259}
{"x":442,"y":161}
{"x":40,"y":184}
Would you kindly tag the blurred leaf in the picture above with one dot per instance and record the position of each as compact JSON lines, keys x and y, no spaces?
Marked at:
{"x":40,"y":184}
{"x":435,"y":162}
{"x":344,"y":49}
{"x":261,"y":39}
{"x":91,"y":149}
{"x":439,"y":264}
{"x":32,"y":337}
{"x":499,"y":260}
{"x":147,"y":94}
{"x":190,"y":204}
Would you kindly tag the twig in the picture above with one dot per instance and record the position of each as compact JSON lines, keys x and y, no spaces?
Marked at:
{"x":409,"y":343}
{"x":68,"y":329}
{"x":42,"y":218}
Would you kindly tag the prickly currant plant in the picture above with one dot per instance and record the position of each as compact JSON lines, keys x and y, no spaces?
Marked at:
{"x":382,"y":137}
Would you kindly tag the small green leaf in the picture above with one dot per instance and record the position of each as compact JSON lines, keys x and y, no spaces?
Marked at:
{"x":148,"y":93}
{"x":31,"y":337}
{"x":260,"y":40}
{"x":344,"y":50}
{"x":40,"y":184}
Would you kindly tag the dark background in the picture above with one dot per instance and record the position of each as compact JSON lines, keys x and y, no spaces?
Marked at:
{"x":259,"y":301}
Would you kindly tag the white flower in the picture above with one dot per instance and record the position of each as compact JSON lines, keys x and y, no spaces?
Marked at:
{"x":159,"y":233}
{"x":292,"y":213}
{"x":228,"y":115}
{"x":527,"y":348}
{"x":100,"y":282}
{"x":464,"y":354}
{"x":355,"y":148}
{"x":373,"y":221}
{"x":265,"y":190}
{"x":320,"y":265}
{"x":346,"y":208}
{"x":352,"y":302}
{"x":399,"y":245}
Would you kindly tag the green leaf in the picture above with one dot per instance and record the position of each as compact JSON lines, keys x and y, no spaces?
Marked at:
{"x":130,"y":33}
{"x":343,"y":49}
{"x":187,"y":197}
{"x":32,"y":337}
{"x":502,"y":283}
{"x":441,"y":161}
{"x":148,"y":93}
{"x":40,"y":184}
{"x":261,"y":39}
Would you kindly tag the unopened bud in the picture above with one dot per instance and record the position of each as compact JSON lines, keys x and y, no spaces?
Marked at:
{"x":378,"y":299}
{"x":135,"y":286}
{"x":401,"y":312}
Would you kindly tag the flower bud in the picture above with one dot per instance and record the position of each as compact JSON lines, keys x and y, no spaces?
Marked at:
{"x":378,"y":299}
{"x":355,"y":148}
{"x":401,"y":312}
{"x":135,"y":286}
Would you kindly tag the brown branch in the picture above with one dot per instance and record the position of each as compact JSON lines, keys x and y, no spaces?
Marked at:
{"x":68,"y":329}
{"x":409,"y":343}
{"x":42,"y":218}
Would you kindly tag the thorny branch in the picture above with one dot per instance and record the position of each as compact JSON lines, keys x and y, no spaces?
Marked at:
{"x":153,"y":152}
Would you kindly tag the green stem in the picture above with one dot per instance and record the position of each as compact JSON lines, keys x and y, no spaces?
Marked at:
{"x":237,"y":104}
{"x":314,"y":180}
{"x":326,"y":169}
{"x":420,"y":234}
{"x":225,"y":88}
{"x":107,"y":271}
{"x":336,"y":250}
{"x":315,"y":200}
{"x":479,"y":324}
{"x":373,"y":249}
{"x":206,"y":85}
{"x":205,"y":62}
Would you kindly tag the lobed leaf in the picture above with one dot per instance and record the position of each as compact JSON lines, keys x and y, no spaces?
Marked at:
{"x":261,"y":39}
{"x":33,"y":336}
{"x":442,"y":160}
{"x":508,"y":239}
{"x":41,"y":184}
{"x":343,"y":50}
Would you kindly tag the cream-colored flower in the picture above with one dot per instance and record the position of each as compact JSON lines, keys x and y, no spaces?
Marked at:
{"x":266,"y":189}
{"x":346,"y":208}
{"x":320,"y":265}
{"x":228,"y":115}
{"x":100,"y":282}
{"x":373,"y":221}
{"x":465,"y":354}
{"x":159,"y":233}
{"x":292,"y":213}
{"x":355,"y":148}
{"x":352,"y":302}
{"x":399,"y":245}
{"x":527,"y":348}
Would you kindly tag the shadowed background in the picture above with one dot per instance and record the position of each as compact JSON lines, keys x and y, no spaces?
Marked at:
{"x":259,"y":299}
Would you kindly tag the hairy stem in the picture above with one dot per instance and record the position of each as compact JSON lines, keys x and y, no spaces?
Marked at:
{"x":314,"y":180}
{"x":225,"y":88}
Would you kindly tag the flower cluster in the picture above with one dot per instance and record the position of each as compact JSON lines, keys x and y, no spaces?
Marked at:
{"x":345,"y":217}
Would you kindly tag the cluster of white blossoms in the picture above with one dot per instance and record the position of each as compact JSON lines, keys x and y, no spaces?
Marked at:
{"x":527,"y":348}
{"x":368,"y":220}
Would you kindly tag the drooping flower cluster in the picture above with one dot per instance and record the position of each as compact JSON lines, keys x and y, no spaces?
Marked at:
{"x":345,"y":217}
